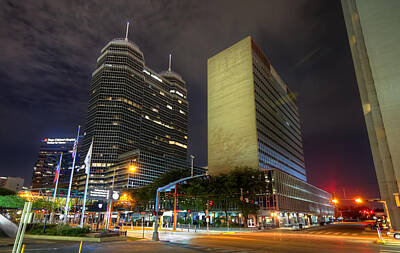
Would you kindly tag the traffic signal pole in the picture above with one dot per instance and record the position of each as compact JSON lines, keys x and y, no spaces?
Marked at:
{"x":175,"y":207}
{"x":168,"y":187}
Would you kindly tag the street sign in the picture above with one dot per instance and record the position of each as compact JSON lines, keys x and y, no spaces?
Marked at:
{"x":103,"y":194}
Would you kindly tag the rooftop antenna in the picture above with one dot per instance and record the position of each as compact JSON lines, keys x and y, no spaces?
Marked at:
{"x":127,"y":31}
{"x":169,"y":66}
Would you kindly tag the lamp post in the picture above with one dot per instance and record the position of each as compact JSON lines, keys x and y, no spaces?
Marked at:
{"x":132,"y":169}
{"x":192,"y":157}
{"x":108,"y":214}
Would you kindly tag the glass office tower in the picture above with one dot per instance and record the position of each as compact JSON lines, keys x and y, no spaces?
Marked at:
{"x":131,"y":107}
{"x":48,"y":158}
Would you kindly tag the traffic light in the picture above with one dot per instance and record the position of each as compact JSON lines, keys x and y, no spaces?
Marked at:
{"x":211,"y":202}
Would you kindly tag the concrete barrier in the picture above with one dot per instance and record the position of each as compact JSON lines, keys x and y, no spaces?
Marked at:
{"x":8,"y":227}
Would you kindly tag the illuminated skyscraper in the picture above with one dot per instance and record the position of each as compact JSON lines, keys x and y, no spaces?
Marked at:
{"x":131,"y":107}
{"x":46,"y":164}
{"x":253,"y":121}
{"x":373,"y":29}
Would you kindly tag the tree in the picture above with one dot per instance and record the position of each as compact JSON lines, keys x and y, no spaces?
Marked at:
{"x":147,"y":194}
{"x":5,"y":192}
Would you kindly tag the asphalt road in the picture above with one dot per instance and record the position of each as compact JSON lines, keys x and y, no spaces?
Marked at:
{"x":334,"y":238}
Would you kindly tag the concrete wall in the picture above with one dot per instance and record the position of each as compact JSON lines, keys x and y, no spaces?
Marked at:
{"x":232,"y":134}
{"x":374,"y":35}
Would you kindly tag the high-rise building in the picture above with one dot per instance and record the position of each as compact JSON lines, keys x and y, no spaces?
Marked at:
{"x":373,"y":32}
{"x":131,"y":107}
{"x":253,"y":118}
{"x":48,"y":158}
{"x":253,"y":121}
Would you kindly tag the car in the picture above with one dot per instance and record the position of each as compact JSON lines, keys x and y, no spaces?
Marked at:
{"x":394,"y":234}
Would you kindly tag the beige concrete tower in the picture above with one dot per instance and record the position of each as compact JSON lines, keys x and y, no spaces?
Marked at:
{"x":232,"y":136}
{"x":253,"y":118}
{"x":374,"y":34}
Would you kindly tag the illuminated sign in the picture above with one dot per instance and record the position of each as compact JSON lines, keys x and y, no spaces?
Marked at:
{"x":103,"y":194}
{"x":58,"y":140}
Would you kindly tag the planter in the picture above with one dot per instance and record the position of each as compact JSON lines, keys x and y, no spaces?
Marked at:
{"x":75,"y":238}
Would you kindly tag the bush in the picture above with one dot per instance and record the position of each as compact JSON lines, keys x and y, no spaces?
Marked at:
{"x":58,"y":229}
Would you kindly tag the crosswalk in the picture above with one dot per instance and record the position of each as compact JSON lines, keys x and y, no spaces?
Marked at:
{"x":204,"y":248}
{"x":390,"y":247}
{"x":331,"y":233}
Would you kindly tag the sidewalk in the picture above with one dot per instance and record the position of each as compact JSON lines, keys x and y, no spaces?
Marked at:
{"x":7,"y":241}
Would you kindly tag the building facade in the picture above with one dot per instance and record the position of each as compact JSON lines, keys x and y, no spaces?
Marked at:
{"x":373,"y":32}
{"x":264,"y":131}
{"x":48,"y":158}
{"x":12,"y":183}
{"x":131,"y":107}
{"x":138,"y":168}
{"x":253,"y":121}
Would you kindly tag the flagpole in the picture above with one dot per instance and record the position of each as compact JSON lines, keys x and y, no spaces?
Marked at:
{"x":55,"y":188}
{"x":58,"y":176}
{"x":87,"y":181}
{"x":70,"y":180}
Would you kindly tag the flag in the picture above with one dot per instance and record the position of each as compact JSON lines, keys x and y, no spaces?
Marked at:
{"x":74,"y":149}
{"x":88,"y":159}
{"x":58,"y":169}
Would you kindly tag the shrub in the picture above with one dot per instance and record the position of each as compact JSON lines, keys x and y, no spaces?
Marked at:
{"x":58,"y":229}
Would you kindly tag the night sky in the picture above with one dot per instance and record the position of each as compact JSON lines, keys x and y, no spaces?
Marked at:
{"x":49,"y":50}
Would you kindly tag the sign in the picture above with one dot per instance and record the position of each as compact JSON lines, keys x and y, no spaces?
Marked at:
{"x":114,"y":195}
{"x":58,"y":140}
{"x":103,"y":194}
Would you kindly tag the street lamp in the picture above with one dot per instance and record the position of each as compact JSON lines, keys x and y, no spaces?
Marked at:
{"x":132,"y":169}
{"x":358,"y":200}
{"x":335,"y":201}
{"x":192,"y":157}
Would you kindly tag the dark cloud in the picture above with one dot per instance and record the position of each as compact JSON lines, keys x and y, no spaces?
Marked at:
{"x":49,"y":49}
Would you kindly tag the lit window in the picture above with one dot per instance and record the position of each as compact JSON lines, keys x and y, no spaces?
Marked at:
{"x":169,"y":107}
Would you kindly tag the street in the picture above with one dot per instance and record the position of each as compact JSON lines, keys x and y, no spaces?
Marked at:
{"x":332,"y":238}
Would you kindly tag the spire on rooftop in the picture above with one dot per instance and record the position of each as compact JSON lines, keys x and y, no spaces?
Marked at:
{"x":169,"y":66}
{"x":127,"y":31}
